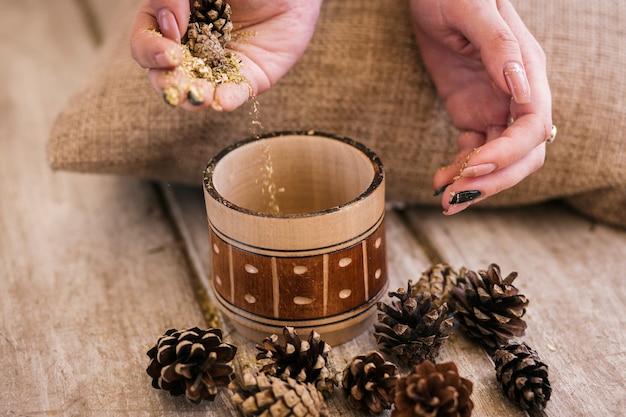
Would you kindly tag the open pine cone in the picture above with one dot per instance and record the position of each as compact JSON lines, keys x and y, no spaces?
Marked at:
{"x":433,"y":390}
{"x":412,"y":328}
{"x":524,"y":377}
{"x":303,"y":360}
{"x":193,"y":362}
{"x":209,"y":30}
{"x":215,"y":13}
{"x":489,"y":307}
{"x":436,"y":280}
{"x":269,"y":396}
{"x":369,"y":382}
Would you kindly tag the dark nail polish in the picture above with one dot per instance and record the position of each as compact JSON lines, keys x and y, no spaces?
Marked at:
{"x":195,"y":96}
{"x":465,"y":196}
{"x":441,"y":190}
{"x":171,"y":95}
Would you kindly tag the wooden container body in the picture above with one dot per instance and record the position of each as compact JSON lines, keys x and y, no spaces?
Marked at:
{"x":312,"y":255}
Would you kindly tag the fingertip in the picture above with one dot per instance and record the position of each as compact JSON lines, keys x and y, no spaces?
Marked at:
{"x":230,"y":96}
{"x":199,"y":96}
{"x":172,"y":95}
{"x":168,"y":58}
{"x":444,"y":176}
{"x":457,"y":208}
{"x":196,"y":95}
{"x":168,"y":24}
{"x":151,"y":50}
{"x":439,"y":191}
{"x":517,"y":82}
{"x":460,"y":200}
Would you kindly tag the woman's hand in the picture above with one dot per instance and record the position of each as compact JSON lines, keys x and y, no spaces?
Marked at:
{"x":268,"y":38}
{"x":491,"y":73}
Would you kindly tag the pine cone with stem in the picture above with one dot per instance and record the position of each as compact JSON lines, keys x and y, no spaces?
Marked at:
{"x":303,"y":360}
{"x":433,"y":390}
{"x":369,"y":382}
{"x":412,"y":328}
{"x":523,"y":376}
{"x":489,"y":307}
{"x":192,"y":362}
{"x":269,"y":396}
{"x":436,"y":280}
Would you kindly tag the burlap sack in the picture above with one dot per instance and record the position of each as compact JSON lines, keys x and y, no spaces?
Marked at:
{"x":362,"y":77}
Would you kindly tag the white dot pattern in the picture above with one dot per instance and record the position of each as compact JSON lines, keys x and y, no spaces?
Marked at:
{"x":302,"y":301}
{"x":343,"y":262}
{"x":308,"y":297}
{"x":300,"y":269}
{"x":343,"y":294}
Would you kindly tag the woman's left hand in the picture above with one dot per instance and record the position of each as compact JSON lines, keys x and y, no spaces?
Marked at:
{"x":491,"y":73}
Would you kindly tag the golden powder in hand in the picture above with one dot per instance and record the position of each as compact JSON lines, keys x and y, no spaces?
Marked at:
{"x":204,"y":53}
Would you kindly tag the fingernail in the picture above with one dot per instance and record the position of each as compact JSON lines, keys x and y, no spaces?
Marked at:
{"x":216,"y":105}
{"x":168,"y":25}
{"x":171,"y":95}
{"x":464,"y":196}
{"x":195,"y":95}
{"x":516,"y":80}
{"x":167,"y":58}
{"x":441,"y":190}
{"x":229,"y":96}
{"x":478,"y":170}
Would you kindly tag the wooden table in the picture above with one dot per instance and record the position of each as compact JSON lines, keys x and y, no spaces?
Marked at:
{"x":94,"y":268}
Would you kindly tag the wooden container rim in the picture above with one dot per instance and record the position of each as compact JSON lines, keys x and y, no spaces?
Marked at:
{"x":377,"y":178}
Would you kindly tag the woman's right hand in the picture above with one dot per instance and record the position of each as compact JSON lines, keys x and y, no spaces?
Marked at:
{"x":268,"y":39}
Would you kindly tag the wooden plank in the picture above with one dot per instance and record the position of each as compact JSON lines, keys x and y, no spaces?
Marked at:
{"x":406,"y":260}
{"x":90,"y":271}
{"x":572,"y":272}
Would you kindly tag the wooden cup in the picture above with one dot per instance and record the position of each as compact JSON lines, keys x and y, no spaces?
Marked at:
{"x":297,"y":230}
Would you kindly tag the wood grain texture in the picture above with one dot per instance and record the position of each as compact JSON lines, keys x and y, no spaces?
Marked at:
{"x":90,"y":271}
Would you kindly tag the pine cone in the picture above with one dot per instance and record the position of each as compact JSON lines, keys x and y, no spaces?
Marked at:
{"x":369,"y":382}
{"x":412,"y":328}
{"x":215,"y":13}
{"x":524,"y":377}
{"x":209,"y":30}
{"x":303,"y":360}
{"x":488,"y":307}
{"x":203,"y":44}
{"x":191,"y":362}
{"x":437,"y":280}
{"x":433,"y":390}
{"x":269,"y":396}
